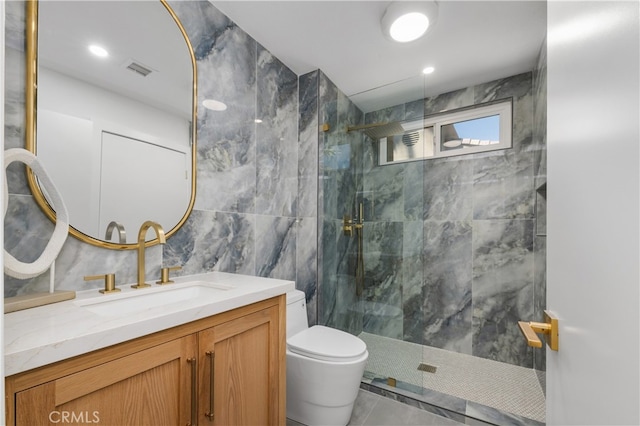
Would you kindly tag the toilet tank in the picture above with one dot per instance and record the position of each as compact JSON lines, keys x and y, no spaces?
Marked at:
{"x":296,"y":313}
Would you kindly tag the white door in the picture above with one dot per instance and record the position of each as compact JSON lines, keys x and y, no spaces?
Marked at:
{"x":593,"y":214}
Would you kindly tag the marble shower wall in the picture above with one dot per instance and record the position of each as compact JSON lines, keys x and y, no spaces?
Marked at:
{"x":255,"y":207}
{"x":451,"y":243}
{"x":452,"y":259}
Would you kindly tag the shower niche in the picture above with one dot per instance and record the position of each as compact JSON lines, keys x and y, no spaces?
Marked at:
{"x":481,"y":128}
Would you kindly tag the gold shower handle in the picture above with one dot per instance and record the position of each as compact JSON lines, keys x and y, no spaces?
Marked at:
{"x":347,"y":225}
{"x":350,"y":224}
{"x":549,"y":329}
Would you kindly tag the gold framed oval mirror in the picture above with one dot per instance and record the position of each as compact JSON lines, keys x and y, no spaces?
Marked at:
{"x":116,"y":133}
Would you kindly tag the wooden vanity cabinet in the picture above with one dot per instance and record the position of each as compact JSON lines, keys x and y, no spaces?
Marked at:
{"x":237,"y":376}
{"x":166,"y":378}
{"x":149,"y":387}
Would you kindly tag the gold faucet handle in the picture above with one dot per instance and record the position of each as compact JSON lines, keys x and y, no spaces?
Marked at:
{"x":164,"y":274}
{"x":109,"y":282}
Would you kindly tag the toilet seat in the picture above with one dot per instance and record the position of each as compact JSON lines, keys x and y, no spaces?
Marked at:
{"x":327,"y":344}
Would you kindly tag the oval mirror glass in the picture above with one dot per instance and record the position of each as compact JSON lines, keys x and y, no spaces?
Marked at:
{"x":114,"y":85}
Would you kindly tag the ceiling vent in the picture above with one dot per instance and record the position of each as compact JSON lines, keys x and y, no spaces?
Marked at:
{"x":138,"y":68}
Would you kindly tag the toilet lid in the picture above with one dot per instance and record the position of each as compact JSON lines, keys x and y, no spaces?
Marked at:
{"x":327,"y":344}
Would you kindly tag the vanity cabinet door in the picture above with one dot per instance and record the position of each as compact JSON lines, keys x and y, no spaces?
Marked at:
{"x":240,"y":371}
{"x":150,"y":387}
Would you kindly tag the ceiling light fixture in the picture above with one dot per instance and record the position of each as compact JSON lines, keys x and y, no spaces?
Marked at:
{"x":405,"y":21}
{"x":428,"y":70}
{"x":98,"y":51}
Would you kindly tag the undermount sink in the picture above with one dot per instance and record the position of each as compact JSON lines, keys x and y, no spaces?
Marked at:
{"x":133,"y":301}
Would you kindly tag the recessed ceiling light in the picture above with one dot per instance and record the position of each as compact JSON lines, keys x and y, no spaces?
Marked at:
{"x":257,"y":120}
{"x":428,"y":70}
{"x":214,"y":105}
{"x":98,"y":51}
{"x":406,"y":21}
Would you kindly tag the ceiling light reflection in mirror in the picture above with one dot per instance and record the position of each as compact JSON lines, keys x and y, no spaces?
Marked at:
{"x":98,"y":51}
{"x":214,"y":105}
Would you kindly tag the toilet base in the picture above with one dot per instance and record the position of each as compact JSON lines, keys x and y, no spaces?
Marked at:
{"x":331,"y":416}
{"x":322,"y":393}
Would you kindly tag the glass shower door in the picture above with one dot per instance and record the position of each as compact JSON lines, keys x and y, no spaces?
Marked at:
{"x":392,"y":300}
{"x":371,"y":235}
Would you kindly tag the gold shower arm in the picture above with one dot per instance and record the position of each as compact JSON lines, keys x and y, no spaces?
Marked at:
{"x":365,"y":126}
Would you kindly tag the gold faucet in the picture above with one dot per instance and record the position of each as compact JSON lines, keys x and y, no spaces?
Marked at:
{"x":141,"y":239}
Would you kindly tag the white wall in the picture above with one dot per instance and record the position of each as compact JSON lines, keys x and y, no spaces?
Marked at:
{"x":593,"y":248}
{"x":61,"y":93}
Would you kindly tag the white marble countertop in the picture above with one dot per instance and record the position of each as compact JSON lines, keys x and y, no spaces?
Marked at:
{"x":46,"y":334}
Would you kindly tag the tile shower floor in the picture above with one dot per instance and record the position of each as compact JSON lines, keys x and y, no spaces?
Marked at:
{"x":502,"y":386}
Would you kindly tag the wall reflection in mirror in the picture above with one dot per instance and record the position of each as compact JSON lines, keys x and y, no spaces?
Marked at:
{"x":115,"y":113}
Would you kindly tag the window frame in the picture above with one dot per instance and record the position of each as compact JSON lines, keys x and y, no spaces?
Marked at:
{"x":502,"y":108}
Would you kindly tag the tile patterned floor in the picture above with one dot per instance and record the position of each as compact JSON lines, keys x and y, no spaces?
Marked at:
{"x":502,"y":386}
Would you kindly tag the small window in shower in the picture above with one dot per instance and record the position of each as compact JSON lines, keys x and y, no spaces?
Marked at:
{"x":480,"y":128}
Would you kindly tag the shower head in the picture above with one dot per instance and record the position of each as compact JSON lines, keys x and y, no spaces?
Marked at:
{"x":379,"y":130}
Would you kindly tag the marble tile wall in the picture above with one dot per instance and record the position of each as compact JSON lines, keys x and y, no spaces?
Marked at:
{"x":257,"y":184}
{"x":451,"y":255}
{"x":480,"y":255}
{"x":452,"y":242}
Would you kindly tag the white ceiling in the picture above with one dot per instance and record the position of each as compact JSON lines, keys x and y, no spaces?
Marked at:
{"x":472,"y":42}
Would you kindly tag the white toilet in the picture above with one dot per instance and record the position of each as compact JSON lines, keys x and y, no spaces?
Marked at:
{"x":324,"y":368}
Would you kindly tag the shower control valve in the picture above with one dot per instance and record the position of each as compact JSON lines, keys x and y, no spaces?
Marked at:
{"x":347,"y":225}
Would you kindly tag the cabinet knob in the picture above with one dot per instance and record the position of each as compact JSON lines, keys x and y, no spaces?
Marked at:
{"x":164,"y":274}
{"x":109,"y":282}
